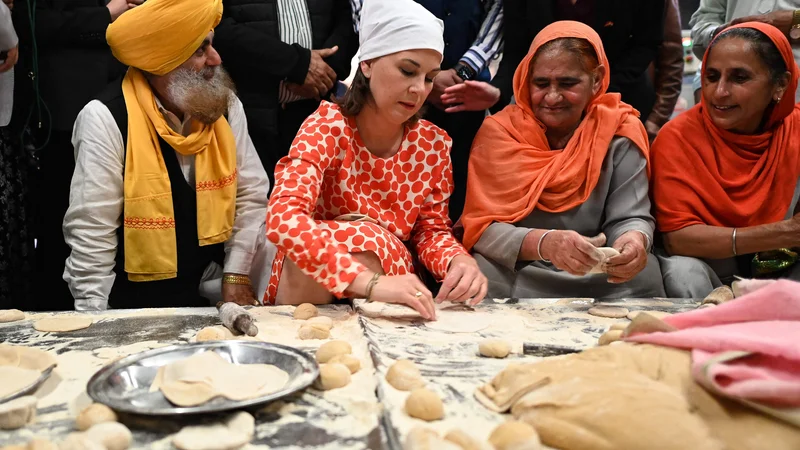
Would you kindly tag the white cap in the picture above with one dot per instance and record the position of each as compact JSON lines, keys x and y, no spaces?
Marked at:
{"x":391,"y":26}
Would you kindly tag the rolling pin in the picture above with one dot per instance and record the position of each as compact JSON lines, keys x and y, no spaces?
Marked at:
{"x":237,"y":319}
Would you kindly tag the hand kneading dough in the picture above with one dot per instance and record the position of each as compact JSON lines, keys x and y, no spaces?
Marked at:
{"x":94,"y":414}
{"x":111,"y":435}
{"x":513,"y":435}
{"x":18,"y":412}
{"x":321,"y":322}
{"x":61,"y":324}
{"x":11,"y":315}
{"x":330,"y":349}
{"x":424,"y":404}
{"x":613,"y":312}
{"x":305,"y":311}
{"x":607,"y":253}
{"x":465,"y":441}
{"x":332,"y":376}
{"x":404,"y":376}
{"x":232,"y":434}
{"x":352,"y":363}
{"x":494,"y":348}
{"x":311,"y":331}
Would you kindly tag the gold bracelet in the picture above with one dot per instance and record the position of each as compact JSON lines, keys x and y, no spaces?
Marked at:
{"x":371,"y":285}
{"x":236,"y":279}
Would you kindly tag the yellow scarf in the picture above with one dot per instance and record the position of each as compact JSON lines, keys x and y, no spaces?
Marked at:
{"x":149,"y":220}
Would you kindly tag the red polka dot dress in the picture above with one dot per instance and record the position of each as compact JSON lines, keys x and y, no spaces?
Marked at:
{"x":329,"y":178}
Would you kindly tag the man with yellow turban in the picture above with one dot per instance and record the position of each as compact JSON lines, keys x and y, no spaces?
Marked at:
{"x":167,"y":184}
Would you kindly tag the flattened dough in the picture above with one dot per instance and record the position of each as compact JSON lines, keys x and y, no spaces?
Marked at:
{"x":234,"y":433}
{"x":612,"y":312}
{"x":11,"y":315}
{"x":203,"y":376}
{"x":62,"y":324}
{"x":13,"y":379}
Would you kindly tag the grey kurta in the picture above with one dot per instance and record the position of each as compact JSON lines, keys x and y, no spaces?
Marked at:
{"x":618,"y":204}
{"x":689,"y":277}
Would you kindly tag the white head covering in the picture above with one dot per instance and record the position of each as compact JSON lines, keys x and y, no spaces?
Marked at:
{"x":391,"y":26}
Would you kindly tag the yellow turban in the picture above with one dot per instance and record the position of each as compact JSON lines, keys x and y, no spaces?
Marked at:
{"x":160,"y":35}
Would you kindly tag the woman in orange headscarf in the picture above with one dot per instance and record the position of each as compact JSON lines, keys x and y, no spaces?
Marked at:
{"x":559,"y":175}
{"x":725,"y":173}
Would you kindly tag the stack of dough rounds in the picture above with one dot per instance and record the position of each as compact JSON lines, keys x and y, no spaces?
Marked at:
{"x":20,"y":367}
{"x":203,"y":376}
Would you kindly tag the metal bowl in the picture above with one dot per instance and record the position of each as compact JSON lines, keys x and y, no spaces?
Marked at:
{"x":124,"y":385}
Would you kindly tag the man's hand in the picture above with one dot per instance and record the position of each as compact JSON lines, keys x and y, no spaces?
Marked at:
{"x":11,"y":59}
{"x":320,"y":77}
{"x":652,"y":130}
{"x":443,"y":80}
{"x":781,"y":20}
{"x":118,"y":7}
{"x":241,"y":294}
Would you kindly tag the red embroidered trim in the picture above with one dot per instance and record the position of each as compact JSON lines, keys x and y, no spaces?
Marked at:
{"x":216,"y":184}
{"x":159,"y":223}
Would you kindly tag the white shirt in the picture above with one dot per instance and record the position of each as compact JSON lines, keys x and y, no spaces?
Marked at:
{"x":96,"y":201}
{"x":295,"y":26}
{"x":713,"y":13}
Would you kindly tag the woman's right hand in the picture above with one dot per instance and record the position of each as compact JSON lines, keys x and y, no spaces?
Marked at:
{"x":403,"y":289}
{"x":572,"y":252}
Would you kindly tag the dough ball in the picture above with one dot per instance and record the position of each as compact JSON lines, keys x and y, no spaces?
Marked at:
{"x":513,"y":435}
{"x":424,"y":404}
{"x":464,"y":440}
{"x":321,"y":321}
{"x":111,"y":435}
{"x":211,"y":334}
{"x":94,"y":414}
{"x":333,"y":348}
{"x":332,"y":376}
{"x":404,"y":375}
{"x":41,"y":444}
{"x":350,"y":361}
{"x":619,"y":326}
{"x":494,"y":348}
{"x":63,"y":323}
{"x":313,"y":332}
{"x":657,"y":314}
{"x":613,"y":312}
{"x":609,"y":337}
{"x":305,"y":311}
{"x":79,"y":441}
{"x":11,"y":315}
{"x":18,"y":412}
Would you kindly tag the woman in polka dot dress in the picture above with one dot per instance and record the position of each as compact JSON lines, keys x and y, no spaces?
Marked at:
{"x":365,"y":176}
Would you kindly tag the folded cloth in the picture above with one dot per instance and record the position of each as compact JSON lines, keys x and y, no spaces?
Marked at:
{"x":745,"y":349}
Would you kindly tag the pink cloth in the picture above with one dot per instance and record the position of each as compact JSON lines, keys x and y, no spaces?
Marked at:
{"x":764,"y":323}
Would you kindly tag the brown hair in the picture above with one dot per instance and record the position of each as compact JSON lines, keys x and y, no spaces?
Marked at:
{"x":359,"y":94}
{"x":577,"y":46}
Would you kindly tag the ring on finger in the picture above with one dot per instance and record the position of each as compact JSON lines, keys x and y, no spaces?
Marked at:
{"x":418,"y":294}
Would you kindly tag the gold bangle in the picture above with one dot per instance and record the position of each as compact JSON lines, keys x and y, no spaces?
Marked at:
{"x":371,"y":285}
{"x":236,"y":279}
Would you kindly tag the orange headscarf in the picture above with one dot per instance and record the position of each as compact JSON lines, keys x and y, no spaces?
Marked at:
{"x":512,"y":169}
{"x":703,"y":175}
